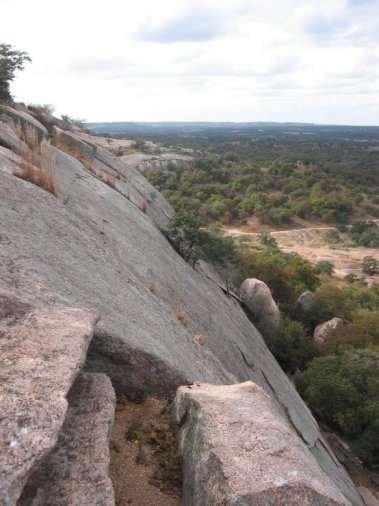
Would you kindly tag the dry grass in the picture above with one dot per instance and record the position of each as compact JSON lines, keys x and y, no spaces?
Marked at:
{"x":38,"y":163}
{"x":179,"y":313}
{"x":142,"y":206}
{"x":28,"y":135}
{"x":109,"y":180}
{"x":199,"y":338}
{"x":151,"y":287}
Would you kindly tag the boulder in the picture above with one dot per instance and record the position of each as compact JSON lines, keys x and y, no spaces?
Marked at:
{"x":76,"y":471}
{"x":257,"y":297}
{"x":305,"y":300}
{"x":238,"y":449}
{"x":41,"y":352}
{"x":322,"y":331}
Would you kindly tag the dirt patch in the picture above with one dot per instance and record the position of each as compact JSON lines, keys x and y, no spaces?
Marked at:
{"x":311,"y":243}
{"x":145,"y":468}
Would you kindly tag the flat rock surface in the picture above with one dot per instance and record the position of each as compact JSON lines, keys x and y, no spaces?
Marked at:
{"x":76,"y":471}
{"x":41,"y":352}
{"x":238,"y":450}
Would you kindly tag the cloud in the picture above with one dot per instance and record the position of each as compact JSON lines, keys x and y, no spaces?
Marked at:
{"x":197,"y":24}
{"x":90,"y":66}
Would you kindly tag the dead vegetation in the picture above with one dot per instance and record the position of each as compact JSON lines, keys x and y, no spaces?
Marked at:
{"x":199,"y":338}
{"x":38,"y":163}
{"x":142,"y":206}
{"x":179,"y":312}
{"x":152,"y":288}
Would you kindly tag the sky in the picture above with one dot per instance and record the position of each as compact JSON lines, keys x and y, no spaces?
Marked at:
{"x":190,"y":60}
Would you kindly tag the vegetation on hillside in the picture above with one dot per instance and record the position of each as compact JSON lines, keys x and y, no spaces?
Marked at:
{"x":276,"y":177}
{"x":339,"y":379}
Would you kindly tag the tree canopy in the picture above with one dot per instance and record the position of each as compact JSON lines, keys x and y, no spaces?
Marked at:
{"x":10,"y":61}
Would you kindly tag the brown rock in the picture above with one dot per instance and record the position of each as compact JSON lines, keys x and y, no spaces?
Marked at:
{"x":238,"y":450}
{"x":41,"y":352}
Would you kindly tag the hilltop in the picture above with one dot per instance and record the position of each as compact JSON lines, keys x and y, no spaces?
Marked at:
{"x":96,"y":304}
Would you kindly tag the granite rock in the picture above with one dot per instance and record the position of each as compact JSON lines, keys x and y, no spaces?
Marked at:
{"x":41,"y":353}
{"x":258,"y":299}
{"x":76,"y":471}
{"x":323,"y":330}
{"x":238,"y":450}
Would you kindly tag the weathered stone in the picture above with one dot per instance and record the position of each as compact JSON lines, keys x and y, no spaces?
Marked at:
{"x":238,"y":450}
{"x":8,"y":138}
{"x":258,"y":299}
{"x":76,"y":471}
{"x":368,"y":497}
{"x":305,"y":300}
{"x":24,"y":119}
{"x":76,"y":147}
{"x":323,"y":330}
{"x":41,"y":353}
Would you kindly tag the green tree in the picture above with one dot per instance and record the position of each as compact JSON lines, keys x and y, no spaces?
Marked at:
{"x":290,"y":345}
{"x":324,"y":267}
{"x":343,"y":389}
{"x":370,"y":265}
{"x":10,"y":61}
{"x":194,"y":243}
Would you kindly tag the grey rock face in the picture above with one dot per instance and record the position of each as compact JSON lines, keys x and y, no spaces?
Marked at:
{"x":257,"y":297}
{"x":41,"y":353}
{"x":24,"y":119}
{"x":321,"y":331}
{"x":238,"y":450}
{"x":93,"y":247}
{"x":305,"y":300}
{"x":76,"y":471}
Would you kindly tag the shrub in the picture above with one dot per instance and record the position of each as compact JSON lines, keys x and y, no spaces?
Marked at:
{"x":370,"y":265}
{"x":290,"y":345}
{"x":324,"y":267}
{"x":193,"y":243}
{"x":343,"y":390}
{"x":365,"y":233}
{"x":286,"y":274}
{"x":329,"y":301}
{"x":344,"y":338}
{"x":134,"y":431}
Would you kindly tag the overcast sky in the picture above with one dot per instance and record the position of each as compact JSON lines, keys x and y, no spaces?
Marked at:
{"x":187,"y":60}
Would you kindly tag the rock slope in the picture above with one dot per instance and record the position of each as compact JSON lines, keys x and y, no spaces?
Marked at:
{"x":99,"y":245}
